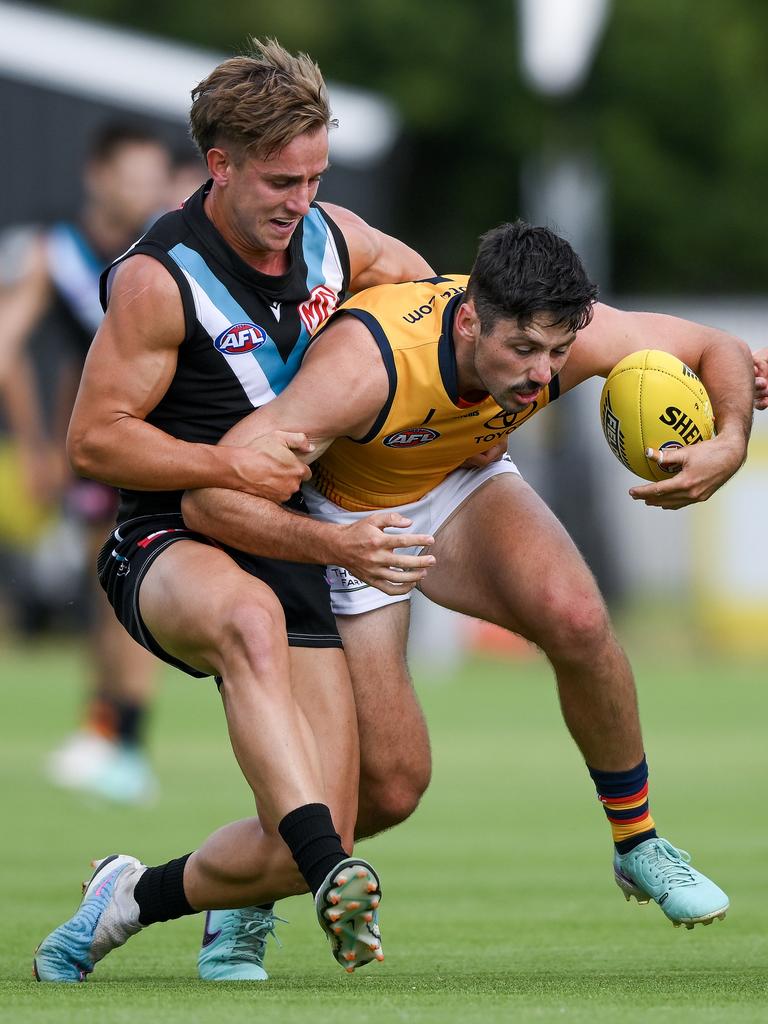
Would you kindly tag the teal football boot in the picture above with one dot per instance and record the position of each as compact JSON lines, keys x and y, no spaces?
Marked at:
{"x":234,"y":944}
{"x":106,"y":918}
{"x":126,"y":778}
{"x":347,"y":909}
{"x":656,"y":870}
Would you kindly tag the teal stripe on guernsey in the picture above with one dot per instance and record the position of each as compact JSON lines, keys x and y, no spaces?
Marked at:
{"x":278,"y":372}
{"x":314,"y":245}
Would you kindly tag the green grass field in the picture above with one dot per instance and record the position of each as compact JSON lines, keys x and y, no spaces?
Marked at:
{"x":499,"y":901}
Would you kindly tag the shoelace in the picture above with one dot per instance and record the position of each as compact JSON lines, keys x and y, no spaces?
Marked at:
{"x":667,"y":862}
{"x":252,"y":931}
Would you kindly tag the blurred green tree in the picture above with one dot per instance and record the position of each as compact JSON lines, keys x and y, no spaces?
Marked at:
{"x":673,"y":108}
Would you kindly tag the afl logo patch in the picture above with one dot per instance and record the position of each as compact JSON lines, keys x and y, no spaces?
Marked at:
{"x":411,"y":437}
{"x":240,"y":338}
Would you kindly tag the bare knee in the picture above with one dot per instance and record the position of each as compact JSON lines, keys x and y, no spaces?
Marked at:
{"x":577,"y":629}
{"x":253,"y":637}
{"x":391,"y":793}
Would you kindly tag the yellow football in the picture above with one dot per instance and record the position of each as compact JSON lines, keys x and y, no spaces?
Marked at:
{"x":653,"y":400}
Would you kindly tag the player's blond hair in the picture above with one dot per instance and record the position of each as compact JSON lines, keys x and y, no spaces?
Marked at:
{"x":257,"y":103}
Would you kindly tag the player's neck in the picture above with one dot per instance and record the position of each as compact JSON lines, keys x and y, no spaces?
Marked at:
{"x":468,"y":385}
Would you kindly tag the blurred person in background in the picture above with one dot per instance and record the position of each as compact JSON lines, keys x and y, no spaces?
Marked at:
{"x":127,"y":181}
{"x":188,"y":173}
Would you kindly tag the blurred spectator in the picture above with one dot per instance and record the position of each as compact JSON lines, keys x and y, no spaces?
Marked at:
{"x":187,"y":175}
{"x":51,"y":275}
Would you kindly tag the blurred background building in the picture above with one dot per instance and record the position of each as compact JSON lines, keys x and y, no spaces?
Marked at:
{"x":629,"y":127}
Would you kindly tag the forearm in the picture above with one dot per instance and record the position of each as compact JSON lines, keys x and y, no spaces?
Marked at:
{"x":134,"y":454}
{"x":260,"y":527}
{"x":726,"y":369}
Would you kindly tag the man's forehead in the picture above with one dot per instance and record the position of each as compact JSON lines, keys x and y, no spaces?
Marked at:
{"x":307,"y":153}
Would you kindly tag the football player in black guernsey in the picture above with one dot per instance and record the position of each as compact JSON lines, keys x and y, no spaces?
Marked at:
{"x":207,"y":318}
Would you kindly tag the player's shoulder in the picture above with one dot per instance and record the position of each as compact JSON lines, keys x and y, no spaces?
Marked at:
{"x":145,"y":306}
{"x":341,"y":216}
{"x":363,"y":242}
{"x":142,"y":281}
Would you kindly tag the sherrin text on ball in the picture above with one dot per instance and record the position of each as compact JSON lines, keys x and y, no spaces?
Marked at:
{"x":653,"y":400}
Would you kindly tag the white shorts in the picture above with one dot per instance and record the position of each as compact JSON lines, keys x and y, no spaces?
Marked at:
{"x":349,"y":595}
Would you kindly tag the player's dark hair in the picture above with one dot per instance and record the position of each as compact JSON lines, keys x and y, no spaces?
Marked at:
{"x":113,"y":135}
{"x":257,"y":103}
{"x":521,"y":271}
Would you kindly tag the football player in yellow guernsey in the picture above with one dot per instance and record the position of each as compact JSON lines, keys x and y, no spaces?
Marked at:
{"x":403,"y":385}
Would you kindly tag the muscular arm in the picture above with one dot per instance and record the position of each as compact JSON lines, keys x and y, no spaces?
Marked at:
{"x":725,"y":366}
{"x":376,"y":258}
{"x":128,"y":370}
{"x":339,"y":390}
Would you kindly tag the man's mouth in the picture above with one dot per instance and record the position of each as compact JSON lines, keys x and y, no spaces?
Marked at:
{"x":527,"y":395}
{"x":283,"y":224}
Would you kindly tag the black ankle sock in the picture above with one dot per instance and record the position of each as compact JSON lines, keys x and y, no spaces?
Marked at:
{"x":120,"y":720}
{"x":314,"y":842}
{"x":160,"y":893}
{"x":130,"y":722}
{"x":266,"y":907}
{"x":629,"y":844}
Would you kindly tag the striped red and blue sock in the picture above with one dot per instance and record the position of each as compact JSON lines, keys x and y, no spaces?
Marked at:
{"x":624,"y":796}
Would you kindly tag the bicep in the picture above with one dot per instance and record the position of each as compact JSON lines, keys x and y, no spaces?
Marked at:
{"x":614,"y":334}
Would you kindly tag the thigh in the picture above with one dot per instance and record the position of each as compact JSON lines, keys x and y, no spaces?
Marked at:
{"x":390,"y":720}
{"x":187,"y":597}
{"x":505,"y":558}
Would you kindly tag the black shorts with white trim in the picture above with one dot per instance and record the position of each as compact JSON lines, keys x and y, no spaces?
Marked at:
{"x":133,"y":546}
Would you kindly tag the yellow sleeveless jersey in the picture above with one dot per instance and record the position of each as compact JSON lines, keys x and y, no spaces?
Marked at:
{"x":425,"y":430}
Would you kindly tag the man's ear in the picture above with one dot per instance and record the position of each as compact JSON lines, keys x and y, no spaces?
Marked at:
{"x":219,"y":163}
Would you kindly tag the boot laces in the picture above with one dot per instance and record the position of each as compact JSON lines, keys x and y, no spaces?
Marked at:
{"x":667,"y":862}
{"x":253,"y":928}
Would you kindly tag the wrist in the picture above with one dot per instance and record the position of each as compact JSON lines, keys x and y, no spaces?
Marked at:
{"x":735,"y":441}
{"x":220,"y":467}
{"x":328,"y":542}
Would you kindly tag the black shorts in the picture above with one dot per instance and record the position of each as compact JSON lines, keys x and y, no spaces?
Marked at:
{"x":134,"y":545}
